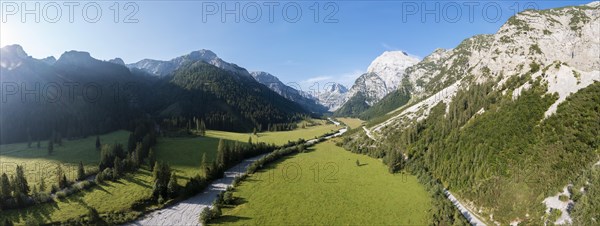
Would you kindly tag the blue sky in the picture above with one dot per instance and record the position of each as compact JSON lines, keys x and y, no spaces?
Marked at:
{"x":294,"y":47}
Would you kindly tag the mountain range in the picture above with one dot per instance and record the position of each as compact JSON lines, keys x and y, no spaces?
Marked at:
{"x":102,"y":96}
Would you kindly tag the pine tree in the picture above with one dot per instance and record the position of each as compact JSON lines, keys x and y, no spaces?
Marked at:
{"x":93,"y":216}
{"x":50,"y":147}
{"x":5,"y":187}
{"x":98,"y":145}
{"x":202,"y":128}
{"x":151,"y":159}
{"x":7,"y":222}
{"x":221,"y":155}
{"x":117,"y":168}
{"x":203,"y":163}
{"x":173,"y":187}
{"x":80,"y":172}
{"x":21,"y":184}
{"x":131,"y":143}
{"x":60,"y":177}
{"x":250,"y":140}
{"x":392,"y":161}
{"x":42,"y":185}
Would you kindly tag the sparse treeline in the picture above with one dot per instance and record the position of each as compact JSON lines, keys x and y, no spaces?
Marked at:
{"x":115,"y":160}
{"x":177,"y":126}
{"x":229,"y":153}
{"x":15,"y":191}
{"x":227,"y":198}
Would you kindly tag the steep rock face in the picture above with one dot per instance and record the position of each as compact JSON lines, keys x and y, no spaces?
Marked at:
{"x":162,"y":68}
{"x":118,"y":61}
{"x":384,"y":75}
{"x":49,"y":60}
{"x":535,"y":62}
{"x":332,"y":96}
{"x":390,"y":67}
{"x":305,"y":100}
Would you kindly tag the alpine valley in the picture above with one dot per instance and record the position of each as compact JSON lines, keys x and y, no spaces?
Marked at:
{"x":502,"y":129}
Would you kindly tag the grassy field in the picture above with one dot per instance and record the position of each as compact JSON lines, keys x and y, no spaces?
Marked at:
{"x":277,"y":138}
{"x":351,"y":122}
{"x":113,"y":196}
{"x":39,"y":165}
{"x":325,"y":186}
{"x":183,"y":154}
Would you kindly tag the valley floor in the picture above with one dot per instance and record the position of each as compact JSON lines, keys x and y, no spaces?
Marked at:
{"x":117,"y":199}
{"x":327,"y":186}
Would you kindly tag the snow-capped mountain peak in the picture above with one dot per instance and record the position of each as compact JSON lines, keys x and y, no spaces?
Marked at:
{"x":390,"y":66}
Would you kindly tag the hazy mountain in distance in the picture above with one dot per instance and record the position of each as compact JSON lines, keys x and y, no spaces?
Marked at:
{"x":306,"y":101}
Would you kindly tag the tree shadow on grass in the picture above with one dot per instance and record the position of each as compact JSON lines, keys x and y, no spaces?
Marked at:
{"x":229,"y":219}
{"x":139,"y":182}
{"x":40,"y":212}
{"x":101,"y":188}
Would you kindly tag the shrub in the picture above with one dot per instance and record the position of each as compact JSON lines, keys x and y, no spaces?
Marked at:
{"x":205,"y":216}
{"x":61,"y":194}
{"x":563,"y":198}
{"x":215,"y":212}
{"x":228,"y":198}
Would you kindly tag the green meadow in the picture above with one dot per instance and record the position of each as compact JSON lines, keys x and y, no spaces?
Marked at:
{"x":118,"y":198}
{"x":39,"y":165}
{"x":327,"y":186}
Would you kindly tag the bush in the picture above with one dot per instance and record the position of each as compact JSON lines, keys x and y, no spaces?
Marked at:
{"x":205,"y":216}
{"x":228,"y":198}
{"x":215,"y":212}
{"x":563,"y":198}
{"x":93,"y":216}
{"x":61,"y":195}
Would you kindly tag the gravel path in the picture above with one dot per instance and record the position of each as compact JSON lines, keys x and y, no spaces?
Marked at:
{"x":465,"y":212}
{"x":368,"y":132}
{"x":187,"y":211}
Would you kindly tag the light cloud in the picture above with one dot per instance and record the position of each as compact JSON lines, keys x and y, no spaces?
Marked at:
{"x":347,"y":79}
{"x":388,"y":47}
{"x":317,"y":79}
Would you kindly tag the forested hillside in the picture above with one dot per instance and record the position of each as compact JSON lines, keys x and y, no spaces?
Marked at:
{"x":506,"y":121}
{"x":78,"y":96}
